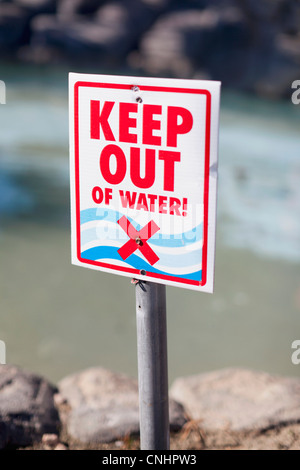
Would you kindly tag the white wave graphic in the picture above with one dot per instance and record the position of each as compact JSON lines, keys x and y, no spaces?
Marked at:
{"x":106,"y":232}
{"x":113,"y":225}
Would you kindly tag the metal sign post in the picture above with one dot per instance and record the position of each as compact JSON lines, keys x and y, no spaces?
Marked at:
{"x":152,"y":365}
{"x":143,"y":166}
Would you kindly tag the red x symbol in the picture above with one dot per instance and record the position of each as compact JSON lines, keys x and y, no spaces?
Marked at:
{"x":138,"y":240}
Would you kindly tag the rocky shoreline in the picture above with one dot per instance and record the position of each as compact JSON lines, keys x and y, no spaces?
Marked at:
{"x":249,"y":46}
{"x":98,"y":408}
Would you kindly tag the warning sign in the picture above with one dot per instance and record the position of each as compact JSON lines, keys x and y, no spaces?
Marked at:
{"x":143,"y":162}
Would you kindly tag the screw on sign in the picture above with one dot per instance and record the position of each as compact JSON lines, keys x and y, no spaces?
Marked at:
{"x":143,"y":159}
{"x":138,"y":240}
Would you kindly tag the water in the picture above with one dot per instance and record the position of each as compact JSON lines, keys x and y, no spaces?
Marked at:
{"x":57,"y":318}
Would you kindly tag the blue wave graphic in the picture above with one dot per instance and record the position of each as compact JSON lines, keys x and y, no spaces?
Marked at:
{"x":189,"y":258}
{"x":159,"y":239}
{"x":89,"y":215}
{"x":109,"y":252}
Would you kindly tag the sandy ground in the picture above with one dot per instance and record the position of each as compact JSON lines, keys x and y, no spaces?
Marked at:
{"x":193,"y":438}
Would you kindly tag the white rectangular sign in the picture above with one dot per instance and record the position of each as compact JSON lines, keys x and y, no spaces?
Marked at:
{"x":143,"y":162}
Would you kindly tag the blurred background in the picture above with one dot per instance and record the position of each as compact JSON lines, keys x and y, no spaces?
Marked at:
{"x":56,"y":318}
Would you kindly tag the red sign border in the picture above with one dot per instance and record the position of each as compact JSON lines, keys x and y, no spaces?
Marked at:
{"x":206,"y":177}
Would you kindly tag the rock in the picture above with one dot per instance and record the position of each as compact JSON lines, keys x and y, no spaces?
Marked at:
{"x":290,"y":19}
{"x":134,"y":17}
{"x":59,"y":400}
{"x":238,"y":42}
{"x":50,"y":440}
{"x":264,"y":10}
{"x":3,"y":434}
{"x":278,"y":68}
{"x":79,"y":40}
{"x":130,"y":18}
{"x":183,"y":41}
{"x":96,"y":425}
{"x":108,"y":35}
{"x":289,"y":46}
{"x":69,"y":8}
{"x":159,"y":4}
{"x":13,"y":23}
{"x":250,"y":46}
{"x":104,"y":406}
{"x":61,"y":447}
{"x":239,"y":400}
{"x":27,"y":409}
{"x":276,"y":82}
{"x":177,"y":415}
{"x":38,"y":6}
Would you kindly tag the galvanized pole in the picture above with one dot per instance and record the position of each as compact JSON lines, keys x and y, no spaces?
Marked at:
{"x":152,"y":366}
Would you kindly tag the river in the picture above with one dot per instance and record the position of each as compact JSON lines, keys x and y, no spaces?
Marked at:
{"x":56,"y":318}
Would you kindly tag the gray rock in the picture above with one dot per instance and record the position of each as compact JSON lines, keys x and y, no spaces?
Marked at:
{"x":134,"y":17}
{"x":107,"y":36}
{"x":71,"y":8}
{"x":13,"y":23}
{"x":51,"y":440}
{"x":104,"y":406}
{"x":290,"y":18}
{"x":248,"y":45}
{"x":183,"y":41}
{"x":238,"y":42}
{"x":277,"y":78}
{"x":27,"y":409}
{"x":60,"y":447}
{"x":265,"y":10}
{"x":96,"y":425}
{"x":177,"y":415}
{"x":38,"y":6}
{"x":80,"y":39}
{"x":3,"y":435}
{"x":239,"y":400}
